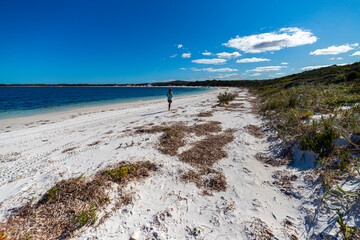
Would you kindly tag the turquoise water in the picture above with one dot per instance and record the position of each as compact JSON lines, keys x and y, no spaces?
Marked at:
{"x":26,"y":101}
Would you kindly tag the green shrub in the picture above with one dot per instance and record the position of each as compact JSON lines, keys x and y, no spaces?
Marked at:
{"x":321,"y":142}
{"x":353,"y":75}
{"x":342,"y":100}
{"x":292,"y":100}
{"x":226,"y":97}
{"x":52,"y":192}
{"x":119,"y":173}
{"x":83,"y":218}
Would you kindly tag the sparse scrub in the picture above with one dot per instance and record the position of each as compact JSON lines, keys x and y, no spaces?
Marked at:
{"x":346,"y":231}
{"x":320,"y":142}
{"x":87,"y":217}
{"x":313,"y":109}
{"x":226,"y":97}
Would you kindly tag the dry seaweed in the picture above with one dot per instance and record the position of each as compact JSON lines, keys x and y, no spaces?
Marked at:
{"x":255,"y":131}
{"x":205,"y":114}
{"x":71,"y":204}
{"x":207,"y":151}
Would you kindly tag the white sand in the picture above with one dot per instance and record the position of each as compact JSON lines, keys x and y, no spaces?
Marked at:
{"x":164,"y":206}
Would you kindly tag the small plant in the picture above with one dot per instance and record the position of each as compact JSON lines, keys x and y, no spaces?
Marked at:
{"x":226,"y":97}
{"x":320,"y":143}
{"x":83,"y":218}
{"x":196,"y":231}
{"x":345,"y":161}
{"x":292,"y":100}
{"x":119,"y":173}
{"x":53,"y":191}
{"x":306,"y":115}
{"x":346,"y":231}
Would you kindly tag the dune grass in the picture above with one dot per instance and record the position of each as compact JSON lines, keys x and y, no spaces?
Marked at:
{"x":226,"y":97}
{"x":313,"y":116}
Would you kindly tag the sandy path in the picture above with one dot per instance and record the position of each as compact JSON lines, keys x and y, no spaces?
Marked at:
{"x":164,"y":207}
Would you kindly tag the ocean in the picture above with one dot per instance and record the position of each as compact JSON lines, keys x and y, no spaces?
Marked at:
{"x":26,"y":101}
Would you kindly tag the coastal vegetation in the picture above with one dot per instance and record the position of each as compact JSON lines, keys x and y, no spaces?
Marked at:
{"x":319,"y":111}
{"x":226,"y":97}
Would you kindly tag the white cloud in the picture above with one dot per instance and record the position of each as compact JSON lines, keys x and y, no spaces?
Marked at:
{"x":183,"y":68}
{"x":214,"y":69}
{"x":339,"y":58}
{"x":334,"y":50}
{"x":251,"y":60}
{"x":210,"y":61}
{"x":180,"y":46}
{"x":172,"y":56}
{"x":284,"y":63}
{"x":228,"y":55}
{"x":280,"y":73}
{"x":222,"y":76}
{"x":356,"y":53}
{"x":342,"y":64}
{"x":254,"y":74}
{"x":186,"y":55}
{"x":332,"y":59}
{"x":206,"y":53}
{"x":314,"y":67}
{"x":266,"y":69}
{"x":285,"y":37}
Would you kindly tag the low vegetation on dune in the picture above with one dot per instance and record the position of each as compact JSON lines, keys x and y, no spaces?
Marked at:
{"x":226,"y":97}
{"x":72,"y":204}
{"x":319,"y":111}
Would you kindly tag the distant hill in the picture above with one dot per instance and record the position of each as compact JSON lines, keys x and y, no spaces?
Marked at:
{"x":326,"y":75}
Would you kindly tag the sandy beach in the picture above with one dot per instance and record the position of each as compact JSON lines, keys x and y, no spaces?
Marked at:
{"x":39,"y":151}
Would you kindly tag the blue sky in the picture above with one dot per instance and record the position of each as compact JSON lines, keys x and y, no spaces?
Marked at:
{"x":147,"y":41}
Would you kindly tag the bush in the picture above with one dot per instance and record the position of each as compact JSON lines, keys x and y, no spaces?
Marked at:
{"x":321,"y":142}
{"x":226,"y":97}
{"x":353,"y":75}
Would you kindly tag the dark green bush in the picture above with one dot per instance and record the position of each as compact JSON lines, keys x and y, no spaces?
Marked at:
{"x":353,"y":75}
{"x":321,"y":142}
{"x":226,"y":97}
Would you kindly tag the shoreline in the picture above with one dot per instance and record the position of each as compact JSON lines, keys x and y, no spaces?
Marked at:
{"x":36,"y":119}
{"x":14,"y":113}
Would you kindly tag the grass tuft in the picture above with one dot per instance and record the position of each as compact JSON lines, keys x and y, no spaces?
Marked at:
{"x":226,"y":97}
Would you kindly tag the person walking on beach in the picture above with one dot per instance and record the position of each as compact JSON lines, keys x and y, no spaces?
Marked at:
{"x":169,"y":96}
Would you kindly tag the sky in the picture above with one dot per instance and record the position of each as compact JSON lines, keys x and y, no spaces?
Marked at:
{"x":97,"y":42}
